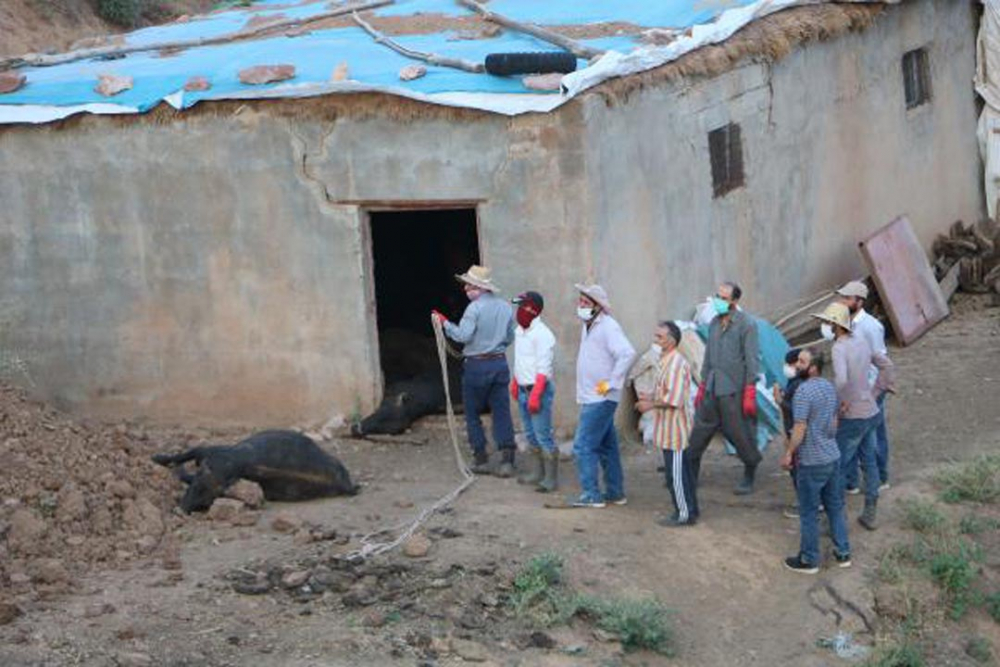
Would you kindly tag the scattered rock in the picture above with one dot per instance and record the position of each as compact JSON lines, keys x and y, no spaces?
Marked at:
{"x":373,"y":619}
{"x":604,"y":636}
{"x":286,"y":522}
{"x":120,"y":489}
{"x":26,"y":527}
{"x":469,"y":651}
{"x":302,"y":536}
{"x":11,"y":81}
{"x":256,"y":587}
{"x":49,"y":571}
{"x":245,"y":519}
{"x":224,"y":509}
{"x":146,"y":544}
{"x":143,"y":516}
{"x":196,"y":83}
{"x":340,"y":72}
{"x":261,"y":74}
{"x":295,"y":579}
{"x":133,"y":660}
{"x":411,"y":72}
{"x":440,"y":645}
{"x":552,"y":81}
{"x":247,"y":492}
{"x":72,"y":504}
{"x":539,"y":639}
{"x":9,"y":612}
{"x":98,"y":609}
{"x":110,"y":85}
{"x":417,"y":546}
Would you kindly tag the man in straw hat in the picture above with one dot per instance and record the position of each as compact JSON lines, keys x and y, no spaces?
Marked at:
{"x":603,"y":360}
{"x":858,"y":409}
{"x":727,"y":397}
{"x":486,"y":330}
{"x":854,"y":295}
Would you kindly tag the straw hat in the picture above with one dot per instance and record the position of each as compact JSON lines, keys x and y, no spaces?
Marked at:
{"x":854,"y":288}
{"x":478,"y":276}
{"x":837,"y":314}
{"x":597,"y":293}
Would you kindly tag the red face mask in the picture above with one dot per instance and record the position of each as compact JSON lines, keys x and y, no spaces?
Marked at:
{"x":526,"y":314}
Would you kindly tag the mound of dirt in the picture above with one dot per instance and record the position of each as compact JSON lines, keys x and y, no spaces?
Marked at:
{"x":74,"y":495}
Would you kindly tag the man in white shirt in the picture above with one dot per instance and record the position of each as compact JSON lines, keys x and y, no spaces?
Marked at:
{"x":533,"y":391}
{"x":853,"y":295}
{"x":604,"y":359}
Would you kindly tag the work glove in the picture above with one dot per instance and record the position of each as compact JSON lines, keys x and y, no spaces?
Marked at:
{"x":514,"y":391}
{"x":439,"y":316}
{"x":602,"y":388}
{"x":700,"y":396}
{"x":535,"y":397}
{"x":750,"y":401}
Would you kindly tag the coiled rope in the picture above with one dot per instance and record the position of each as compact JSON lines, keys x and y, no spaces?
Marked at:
{"x":375,"y":543}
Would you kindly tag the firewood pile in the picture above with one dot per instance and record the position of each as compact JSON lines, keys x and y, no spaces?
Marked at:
{"x":975,"y":251}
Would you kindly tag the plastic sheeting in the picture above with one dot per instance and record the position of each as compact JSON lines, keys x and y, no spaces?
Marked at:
{"x":59,"y":91}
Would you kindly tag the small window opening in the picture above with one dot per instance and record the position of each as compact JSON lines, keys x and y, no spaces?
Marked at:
{"x":916,"y":78}
{"x":726,"y":151}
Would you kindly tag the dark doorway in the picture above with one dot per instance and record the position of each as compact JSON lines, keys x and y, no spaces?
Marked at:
{"x":416,"y":255}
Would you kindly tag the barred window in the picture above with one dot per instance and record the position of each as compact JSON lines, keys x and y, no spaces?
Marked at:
{"x":916,"y":78}
{"x":726,"y":151}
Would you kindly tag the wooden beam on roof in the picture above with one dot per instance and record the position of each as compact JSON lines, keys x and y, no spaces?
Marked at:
{"x":43,"y":60}
{"x":544,"y":34}
{"x":432,"y":58}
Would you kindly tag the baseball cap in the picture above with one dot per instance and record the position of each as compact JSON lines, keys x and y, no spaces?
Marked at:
{"x":533,"y":297}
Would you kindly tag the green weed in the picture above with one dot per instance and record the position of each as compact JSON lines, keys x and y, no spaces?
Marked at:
{"x":923,"y":516}
{"x":972,"y":524}
{"x":638,"y":623}
{"x":955,"y":570}
{"x":903,"y":653}
{"x":980,"y":650}
{"x":977,"y":480}
{"x":992,"y":602}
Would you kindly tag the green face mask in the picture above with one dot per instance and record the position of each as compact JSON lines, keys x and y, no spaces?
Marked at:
{"x":721,"y":305}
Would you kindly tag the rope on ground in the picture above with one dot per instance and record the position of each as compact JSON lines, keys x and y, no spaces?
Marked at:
{"x":370,"y":543}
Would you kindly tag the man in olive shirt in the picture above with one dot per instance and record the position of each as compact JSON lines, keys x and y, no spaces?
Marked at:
{"x":727,"y":398}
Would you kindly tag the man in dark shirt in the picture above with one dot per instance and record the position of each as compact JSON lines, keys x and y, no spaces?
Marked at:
{"x":727,"y":398}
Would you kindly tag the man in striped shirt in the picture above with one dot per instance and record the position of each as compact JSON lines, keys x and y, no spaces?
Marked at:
{"x":672,"y":423}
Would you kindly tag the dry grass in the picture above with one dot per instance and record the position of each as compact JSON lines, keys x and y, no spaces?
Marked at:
{"x":769,"y":39}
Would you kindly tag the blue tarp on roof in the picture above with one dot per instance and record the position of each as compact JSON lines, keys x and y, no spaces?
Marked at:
{"x":58,"y":90}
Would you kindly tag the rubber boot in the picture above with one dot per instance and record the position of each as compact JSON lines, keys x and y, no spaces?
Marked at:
{"x":550,"y":465}
{"x":745,"y":488}
{"x":533,"y":475}
{"x":506,"y":468}
{"x":481,"y":463}
{"x":868,"y":517}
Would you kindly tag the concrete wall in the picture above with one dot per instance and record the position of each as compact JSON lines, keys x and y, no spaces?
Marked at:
{"x":214,"y":267}
{"x":831,"y":154}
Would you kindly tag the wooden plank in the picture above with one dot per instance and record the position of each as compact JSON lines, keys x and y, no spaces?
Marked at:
{"x":904,"y":279}
{"x":949,"y":284}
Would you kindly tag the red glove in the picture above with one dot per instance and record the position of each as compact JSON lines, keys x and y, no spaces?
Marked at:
{"x":535,"y":398}
{"x":750,"y":401}
{"x":513,"y":390}
{"x":439,"y":316}
{"x":700,"y":396}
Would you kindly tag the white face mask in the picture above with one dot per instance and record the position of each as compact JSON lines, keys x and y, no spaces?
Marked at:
{"x":658,"y":349}
{"x":790,"y":371}
{"x":585,"y":314}
{"x":826,"y":331}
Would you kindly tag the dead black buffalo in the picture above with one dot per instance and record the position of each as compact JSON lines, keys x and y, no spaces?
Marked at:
{"x":286,"y":464}
{"x":413,"y":384}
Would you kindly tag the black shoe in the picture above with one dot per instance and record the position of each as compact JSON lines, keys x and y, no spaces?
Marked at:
{"x":675,"y":522}
{"x":795,"y":564}
{"x":842,"y":561}
{"x":481,"y":463}
{"x":506,"y":468}
{"x":745,"y":487}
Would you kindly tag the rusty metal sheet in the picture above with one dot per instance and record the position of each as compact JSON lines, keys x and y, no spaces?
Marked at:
{"x":905,"y":281}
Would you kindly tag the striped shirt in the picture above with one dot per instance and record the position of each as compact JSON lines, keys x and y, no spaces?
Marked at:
{"x":672,"y":425}
{"x":815,"y":404}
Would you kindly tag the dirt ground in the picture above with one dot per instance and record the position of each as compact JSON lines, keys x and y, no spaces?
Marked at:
{"x":734,"y":603}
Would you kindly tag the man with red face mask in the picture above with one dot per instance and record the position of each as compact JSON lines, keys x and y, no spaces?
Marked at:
{"x":533,"y":391}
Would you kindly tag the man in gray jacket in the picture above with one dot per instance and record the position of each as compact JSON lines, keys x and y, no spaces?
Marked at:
{"x":727,"y":397}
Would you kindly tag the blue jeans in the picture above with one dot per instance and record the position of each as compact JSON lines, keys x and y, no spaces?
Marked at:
{"x":815,"y":485}
{"x":485,"y":384}
{"x":881,"y":451}
{"x":597,"y":443}
{"x":856,"y":440}
{"x":538,"y":426}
